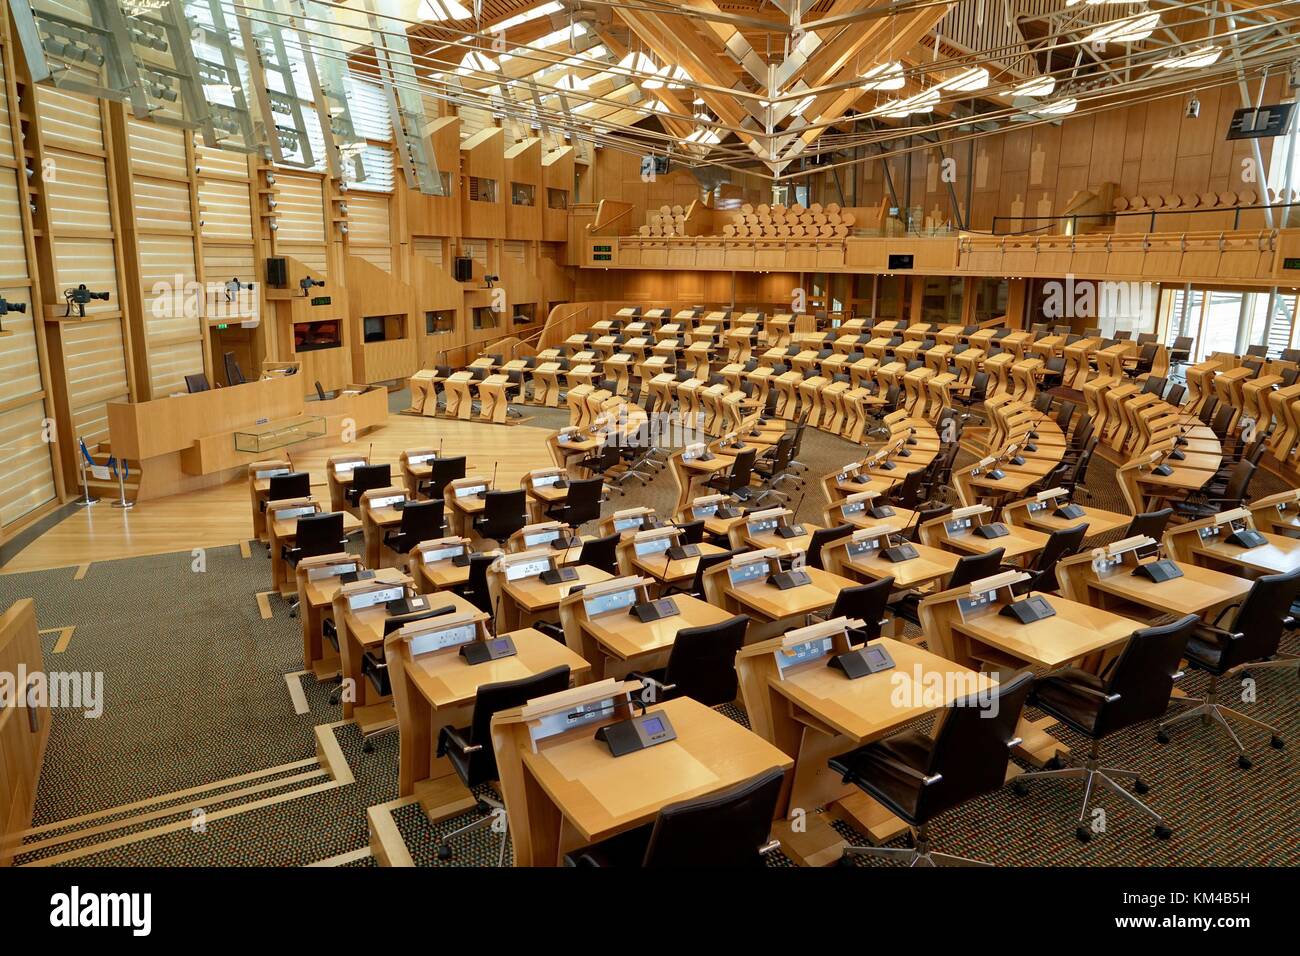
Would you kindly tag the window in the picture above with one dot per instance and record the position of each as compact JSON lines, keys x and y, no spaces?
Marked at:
{"x":521,"y":194}
{"x":525,"y":313}
{"x":482,"y":190}
{"x":440,"y":322}
{"x":991,"y":299}
{"x":382,"y":328}
{"x":311,"y":336}
{"x":557,"y":198}
{"x":484,"y":318}
{"x":445,"y":180}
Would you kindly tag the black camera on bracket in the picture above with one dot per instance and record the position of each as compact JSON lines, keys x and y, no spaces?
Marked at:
{"x":6,"y":307}
{"x":306,"y":283}
{"x":79,"y":297}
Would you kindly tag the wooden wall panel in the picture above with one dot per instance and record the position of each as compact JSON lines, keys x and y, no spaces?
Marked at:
{"x":26,"y":471}
{"x":92,"y":356}
{"x":369,"y":230}
{"x":300,"y":216}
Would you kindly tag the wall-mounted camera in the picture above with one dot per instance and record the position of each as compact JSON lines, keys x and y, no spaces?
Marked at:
{"x":490,"y":279}
{"x":80,"y":297}
{"x":234,"y":287}
{"x":306,"y":283}
{"x":6,"y":307}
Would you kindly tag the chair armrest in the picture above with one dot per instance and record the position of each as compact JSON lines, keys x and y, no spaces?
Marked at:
{"x":771,"y":846}
{"x":461,"y":744}
{"x":659,"y":686}
{"x":926,"y":780}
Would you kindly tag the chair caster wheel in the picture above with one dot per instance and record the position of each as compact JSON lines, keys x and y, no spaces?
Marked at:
{"x":1083,"y":833}
{"x":444,"y":851}
{"x":1140,"y":786}
{"x":844,"y":861}
{"x":367,"y":747}
{"x":1244,"y":762}
{"x":1162,"y":737}
{"x":1020,"y":788}
{"x":334,"y":700}
{"x":1056,"y":763}
{"x":482,"y":807}
{"x":1276,"y":742}
{"x":1162,"y":832}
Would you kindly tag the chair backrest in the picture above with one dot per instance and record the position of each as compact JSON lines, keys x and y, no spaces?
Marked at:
{"x":908,"y":494}
{"x":320,"y":391}
{"x":1043,"y":401}
{"x":974,"y":567}
{"x":979,"y":385}
{"x":1148,"y":523}
{"x":422,"y":520}
{"x":702,"y":663}
{"x":365,"y":477}
{"x":443,"y":471}
{"x":1142,"y":677}
{"x":822,"y":537}
{"x":707,"y":561}
{"x":1260,"y":618}
{"x":493,"y":698}
{"x":475,"y":589}
{"x":293,"y":485}
{"x":582,"y":503}
{"x":741,"y":470}
{"x":1061,"y":544}
{"x":972,"y":745}
{"x":234,"y":376}
{"x":1207,"y":409}
{"x":502,"y":509}
{"x":196,"y":383}
{"x":321,"y":533}
{"x":1154,"y":385}
{"x":865,"y":601}
{"x":1239,"y":479}
{"x":723,"y":829}
{"x":1055,"y":364}
{"x":1064,"y":415}
{"x":1176,"y":393}
{"x":601,"y":553}
{"x":926,"y":514}
{"x":692,"y":531}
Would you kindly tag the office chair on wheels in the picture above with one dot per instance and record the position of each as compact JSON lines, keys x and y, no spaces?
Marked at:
{"x":469,"y":749}
{"x":315,"y":534}
{"x":1135,"y":689}
{"x":1250,"y":644}
{"x":701,"y":664}
{"x":918,"y":777}
{"x":374,"y":668}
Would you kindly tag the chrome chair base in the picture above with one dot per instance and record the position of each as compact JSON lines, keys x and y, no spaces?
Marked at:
{"x":1096,"y":777}
{"x":1210,"y":711}
{"x":488,"y":806}
{"x":919,"y":854}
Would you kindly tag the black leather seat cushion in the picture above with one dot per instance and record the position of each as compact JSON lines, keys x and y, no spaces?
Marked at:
{"x":1205,"y":649}
{"x":458,"y":760}
{"x":1065,"y":695}
{"x":898,"y":791}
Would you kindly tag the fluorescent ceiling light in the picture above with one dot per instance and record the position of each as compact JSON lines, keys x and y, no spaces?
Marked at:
{"x":1128,"y":30}
{"x":967,"y":81}
{"x":884,"y":76}
{"x":440,"y":10}
{"x":1038,"y":86}
{"x":1191,"y":60}
{"x":1056,"y":108}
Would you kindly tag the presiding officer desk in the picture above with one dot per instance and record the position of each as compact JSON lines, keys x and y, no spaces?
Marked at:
{"x":189,"y":441}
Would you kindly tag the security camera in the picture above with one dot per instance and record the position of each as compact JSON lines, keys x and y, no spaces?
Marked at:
{"x":1193,"y":107}
{"x":79,"y":297}
{"x":6,"y":307}
{"x":307,"y":282}
{"x":490,"y":279}
{"x":234,"y":287}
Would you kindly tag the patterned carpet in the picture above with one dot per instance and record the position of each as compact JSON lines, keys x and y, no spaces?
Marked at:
{"x":195,"y":693}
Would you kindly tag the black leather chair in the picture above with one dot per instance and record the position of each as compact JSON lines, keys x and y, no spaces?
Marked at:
{"x":504,"y":513}
{"x":917,"y":777}
{"x":970,"y":567}
{"x":296,"y":484}
{"x":867,"y":602}
{"x":196,"y":383}
{"x":1251,"y":643}
{"x":442,"y":472}
{"x":365,"y":478}
{"x":1061,"y":544}
{"x":601,"y":553}
{"x":1149,"y":523}
{"x":730,"y":828}
{"x":321,"y":533}
{"x":821,"y":538}
{"x":701,"y":664}
{"x":469,"y":749}
{"x":692,"y":531}
{"x":475,"y":588}
{"x":421,"y":521}
{"x":1235,"y":493}
{"x":735,"y":481}
{"x":705,"y":561}
{"x":581,"y":504}
{"x":1135,"y":688}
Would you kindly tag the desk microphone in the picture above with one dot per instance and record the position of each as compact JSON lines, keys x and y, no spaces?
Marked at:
{"x":496,"y":620}
{"x":439,"y":447}
{"x":493,"y":482}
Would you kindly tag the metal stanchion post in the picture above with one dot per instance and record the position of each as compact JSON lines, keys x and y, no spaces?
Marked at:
{"x":121,"y":491}
{"x":85,"y":500}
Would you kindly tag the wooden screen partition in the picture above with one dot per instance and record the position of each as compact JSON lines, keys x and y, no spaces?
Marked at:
{"x":27,"y":478}
{"x":24,"y":730}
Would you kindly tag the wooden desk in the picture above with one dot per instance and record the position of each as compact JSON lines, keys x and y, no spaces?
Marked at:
{"x":814,"y":712}
{"x":1279,"y":555}
{"x":767,"y":602}
{"x":283,"y":533}
{"x":530,"y":599}
{"x":1022,"y":543}
{"x":674,"y":571}
{"x":616,"y":643}
{"x":437,"y":689}
{"x":1199,"y":591}
{"x":570,"y":792}
{"x":928,"y":566}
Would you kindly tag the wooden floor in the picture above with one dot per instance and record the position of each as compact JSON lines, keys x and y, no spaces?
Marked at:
{"x":220,"y":516}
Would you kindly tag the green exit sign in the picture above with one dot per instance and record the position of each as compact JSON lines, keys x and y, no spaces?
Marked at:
{"x":1293,"y":263}
{"x":222,"y":326}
